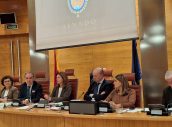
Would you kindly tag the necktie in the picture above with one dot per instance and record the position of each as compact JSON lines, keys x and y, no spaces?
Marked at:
{"x":96,"y":88}
{"x":28,"y":92}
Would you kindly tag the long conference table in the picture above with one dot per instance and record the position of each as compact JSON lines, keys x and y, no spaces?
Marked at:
{"x":12,"y":117}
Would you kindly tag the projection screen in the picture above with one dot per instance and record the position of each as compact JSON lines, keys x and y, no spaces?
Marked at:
{"x":66,"y":23}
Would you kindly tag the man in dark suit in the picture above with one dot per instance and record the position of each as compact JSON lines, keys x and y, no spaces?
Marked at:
{"x":167,"y":92}
{"x":30,"y":90}
{"x":99,"y":87}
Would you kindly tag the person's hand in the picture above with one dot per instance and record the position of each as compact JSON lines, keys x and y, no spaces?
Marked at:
{"x":118,"y":106}
{"x":102,"y":93}
{"x":26,"y":101}
{"x":47,"y":97}
{"x":104,"y":101}
{"x":3,"y":99}
{"x":115,"y":106}
{"x":112,"y":104}
{"x":91,"y":95}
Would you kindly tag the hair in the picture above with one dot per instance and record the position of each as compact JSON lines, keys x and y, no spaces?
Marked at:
{"x":124,"y":82}
{"x":64,"y":77}
{"x":99,"y":70}
{"x":28,"y":73}
{"x":168,"y":74}
{"x":7,"y":77}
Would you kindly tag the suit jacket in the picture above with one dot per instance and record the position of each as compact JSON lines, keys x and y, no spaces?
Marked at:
{"x":12,"y":94}
{"x":65,"y":94}
{"x":105,"y":89}
{"x":127,"y":101}
{"x":36,"y":92}
{"x":167,"y":96}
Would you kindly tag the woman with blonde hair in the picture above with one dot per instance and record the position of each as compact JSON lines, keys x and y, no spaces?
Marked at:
{"x":122,"y":96}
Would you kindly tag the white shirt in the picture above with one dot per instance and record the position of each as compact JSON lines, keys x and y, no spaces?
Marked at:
{"x":60,"y":90}
{"x":6,"y":93}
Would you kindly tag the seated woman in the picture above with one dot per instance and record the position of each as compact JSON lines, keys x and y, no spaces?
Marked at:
{"x":9,"y":92}
{"x":122,"y":95}
{"x":62,"y":91}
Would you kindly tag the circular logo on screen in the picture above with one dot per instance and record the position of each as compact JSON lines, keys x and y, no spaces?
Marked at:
{"x":77,"y":6}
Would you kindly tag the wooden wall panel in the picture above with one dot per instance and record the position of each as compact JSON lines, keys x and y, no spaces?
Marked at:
{"x":20,"y":8}
{"x":168,"y":10}
{"x":116,"y":56}
{"x":5,"y":62}
{"x":24,"y":55}
{"x":21,"y":34}
{"x":5,"y":56}
{"x":51,"y":69}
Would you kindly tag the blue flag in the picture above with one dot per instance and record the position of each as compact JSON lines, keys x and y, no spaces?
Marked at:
{"x":135,"y":63}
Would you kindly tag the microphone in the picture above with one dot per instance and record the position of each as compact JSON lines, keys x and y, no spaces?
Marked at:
{"x":168,"y":106}
{"x":81,"y":95}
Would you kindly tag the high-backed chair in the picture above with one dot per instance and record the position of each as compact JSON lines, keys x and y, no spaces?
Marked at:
{"x":73,"y":82}
{"x":108,"y":74}
{"x":16,"y":82}
{"x":40,"y":77}
{"x":69,"y":72}
{"x":131,"y":79}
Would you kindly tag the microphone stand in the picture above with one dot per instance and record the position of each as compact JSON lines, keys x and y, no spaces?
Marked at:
{"x":169,"y":105}
{"x":81,"y":95}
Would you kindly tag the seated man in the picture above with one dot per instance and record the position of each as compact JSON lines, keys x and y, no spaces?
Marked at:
{"x":167,"y":93}
{"x":99,"y":87}
{"x":30,"y":91}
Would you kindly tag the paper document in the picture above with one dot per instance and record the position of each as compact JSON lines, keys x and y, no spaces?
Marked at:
{"x":23,"y":107}
{"x":135,"y":110}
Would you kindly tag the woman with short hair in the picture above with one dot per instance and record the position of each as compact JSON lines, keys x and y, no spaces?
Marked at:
{"x":9,"y":92}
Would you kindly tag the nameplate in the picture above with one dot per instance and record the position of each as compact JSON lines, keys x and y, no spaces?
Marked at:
{"x":103,"y":109}
{"x":16,"y":104}
{"x":40,"y":105}
{"x":66,"y":107}
{"x":83,"y":107}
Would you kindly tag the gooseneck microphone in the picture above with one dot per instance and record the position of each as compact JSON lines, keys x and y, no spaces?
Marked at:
{"x":81,"y":95}
{"x":168,"y":106}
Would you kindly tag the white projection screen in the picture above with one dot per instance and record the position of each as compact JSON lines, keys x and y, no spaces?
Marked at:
{"x":66,"y":23}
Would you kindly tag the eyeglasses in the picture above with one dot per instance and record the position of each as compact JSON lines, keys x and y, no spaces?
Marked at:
{"x":6,"y":81}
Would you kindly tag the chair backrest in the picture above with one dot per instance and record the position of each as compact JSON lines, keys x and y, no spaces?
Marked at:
{"x":16,"y":82}
{"x":108,"y":74}
{"x":137,"y":88}
{"x":45,"y":86}
{"x":73,"y":82}
{"x":40,"y":77}
{"x":69,"y":72}
{"x":131,"y":79}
